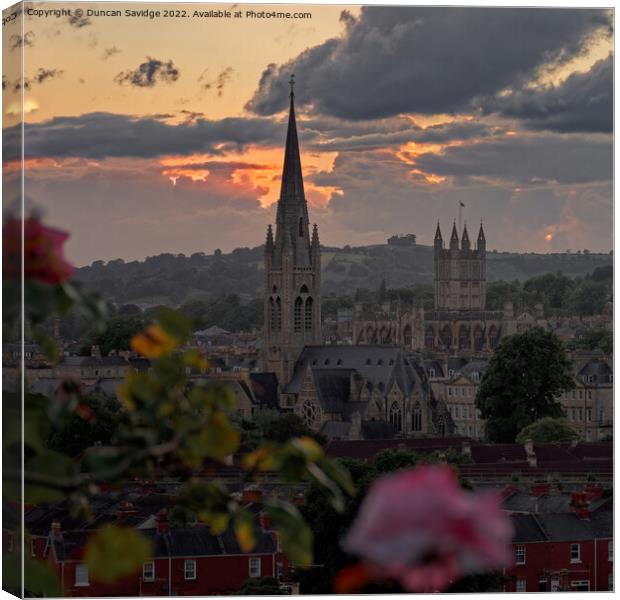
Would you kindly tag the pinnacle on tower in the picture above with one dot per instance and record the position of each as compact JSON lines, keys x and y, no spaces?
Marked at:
{"x":481,"y":242}
{"x":438,"y":239}
{"x":269,"y":242}
{"x":465,"y":245}
{"x":315,"y":237}
{"x":454,"y":238}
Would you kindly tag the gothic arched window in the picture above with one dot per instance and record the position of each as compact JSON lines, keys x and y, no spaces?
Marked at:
{"x":277,"y":324}
{"x":308,"y":314}
{"x":478,"y":338}
{"x":464,"y":342}
{"x":297,"y":314}
{"x":272,"y":313}
{"x":407,"y":336}
{"x":311,"y":413}
{"x":303,"y":289}
{"x":396,"y":417}
{"x":301,"y":227}
{"x":429,"y":337}
{"x":446,"y":336}
{"x":416,"y":418}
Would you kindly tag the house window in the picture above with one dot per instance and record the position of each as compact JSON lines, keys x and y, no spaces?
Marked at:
{"x":575,"y":553}
{"x":190,"y":570}
{"x":521,"y":585}
{"x":581,"y":585}
{"x":449,"y":391}
{"x":542,"y":584}
{"x":589,"y":414}
{"x":81,"y":575}
{"x":520,"y":555}
{"x":431,"y":372}
{"x":450,"y":372}
{"x":610,"y":551}
{"x":148,"y":571}
{"x":254,"y":567}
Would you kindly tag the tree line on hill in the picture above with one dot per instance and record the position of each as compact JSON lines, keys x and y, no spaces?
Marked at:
{"x":173,"y":279}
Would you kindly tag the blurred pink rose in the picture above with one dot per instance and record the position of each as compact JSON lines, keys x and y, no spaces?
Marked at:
{"x":422,"y":529}
{"x":43,"y":256}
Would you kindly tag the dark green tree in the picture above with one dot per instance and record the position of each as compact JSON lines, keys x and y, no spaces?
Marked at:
{"x":525,"y":375}
{"x":548,"y":430}
{"x":95,"y":421}
{"x":260,"y":586}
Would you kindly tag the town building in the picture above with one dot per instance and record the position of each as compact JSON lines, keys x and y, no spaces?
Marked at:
{"x":292,"y":269}
{"x":187,"y":559}
{"x":356,"y":392}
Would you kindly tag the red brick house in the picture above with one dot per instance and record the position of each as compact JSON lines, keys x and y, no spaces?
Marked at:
{"x":562,"y":552}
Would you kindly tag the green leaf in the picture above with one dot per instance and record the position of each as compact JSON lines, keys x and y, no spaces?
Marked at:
{"x":49,"y":465}
{"x":295,"y":535}
{"x":219,"y":437}
{"x":39,"y":579}
{"x":174,"y":323}
{"x":114,"y":552}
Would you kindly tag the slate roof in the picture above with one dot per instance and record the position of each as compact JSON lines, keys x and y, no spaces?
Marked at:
{"x":94,"y":361}
{"x":564,"y":527}
{"x":545,"y":504}
{"x":380,"y":365}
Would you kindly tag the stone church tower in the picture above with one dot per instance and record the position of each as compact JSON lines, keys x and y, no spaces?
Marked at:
{"x":460,"y":272}
{"x":292,"y":269}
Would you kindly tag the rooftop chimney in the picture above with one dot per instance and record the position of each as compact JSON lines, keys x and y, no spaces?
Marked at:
{"x":251,"y":494}
{"x":163,"y":525}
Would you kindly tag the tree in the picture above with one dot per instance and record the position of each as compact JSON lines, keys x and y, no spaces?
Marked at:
{"x":118,"y":332}
{"x":260,"y":586}
{"x":272,"y":426}
{"x":525,"y":375}
{"x":95,"y":421}
{"x":548,"y":430}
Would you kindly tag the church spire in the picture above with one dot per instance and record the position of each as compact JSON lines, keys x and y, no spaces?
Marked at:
{"x":292,"y":189}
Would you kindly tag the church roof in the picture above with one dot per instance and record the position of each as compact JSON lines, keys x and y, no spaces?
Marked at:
{"x":381,"y":366}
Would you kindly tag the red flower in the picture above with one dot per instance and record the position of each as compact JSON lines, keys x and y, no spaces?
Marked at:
{"x":43,"y":257}
{"x":422,"y":529}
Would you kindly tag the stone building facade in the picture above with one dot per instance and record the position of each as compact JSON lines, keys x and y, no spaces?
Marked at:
{"x":292,"y":269}
{"x":459,"y":320}
{"x":364,"y":392}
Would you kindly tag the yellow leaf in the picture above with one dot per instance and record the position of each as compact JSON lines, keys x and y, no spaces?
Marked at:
{"x":245,"y":531}
{"x":113,"y":552}
{"x":153,"y":342}
{"x":261,"y":459}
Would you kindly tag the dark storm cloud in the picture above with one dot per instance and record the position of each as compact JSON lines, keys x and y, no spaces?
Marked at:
{"x":148,"y":73}
{"x":527,"y":159}
{"x":583,"y":102}
{"x":426,"y":60}
{"x":100,"y":135}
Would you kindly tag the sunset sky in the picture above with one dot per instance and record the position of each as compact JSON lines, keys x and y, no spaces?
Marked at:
{"x":166,"y":135}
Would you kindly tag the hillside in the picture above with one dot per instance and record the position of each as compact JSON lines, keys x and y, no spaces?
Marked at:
{"x":174,"y":279}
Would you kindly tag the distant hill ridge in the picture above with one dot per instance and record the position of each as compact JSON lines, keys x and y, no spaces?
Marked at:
{"x":173,"y":279}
